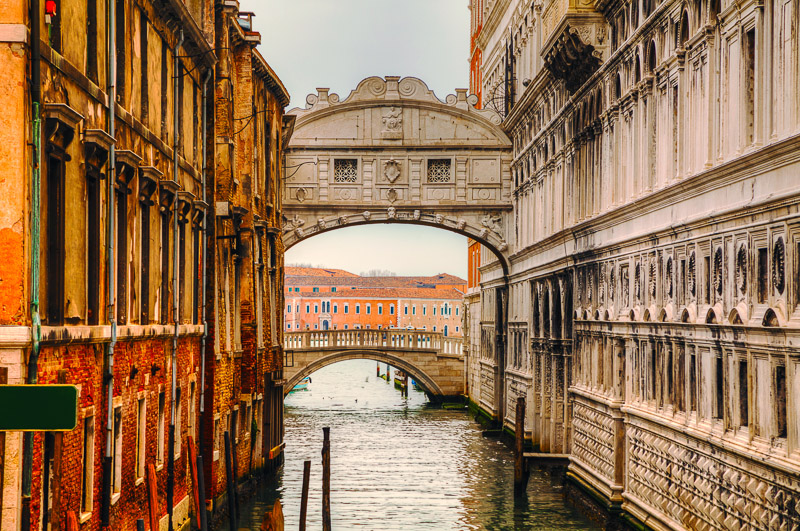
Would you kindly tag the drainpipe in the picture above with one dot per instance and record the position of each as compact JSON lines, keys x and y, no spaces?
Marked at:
{"x":175,"y":264}
{"x":36,"y":323}
{"x":110,"y":272}
{"x":202,"y":508}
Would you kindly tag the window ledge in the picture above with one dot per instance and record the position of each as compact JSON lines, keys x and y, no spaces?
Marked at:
{"x":138,"y":481}
{"x":159,"y":466}
{"x":115,"y":497}
{"x":216,"y":455}
{"x":85,"y":517}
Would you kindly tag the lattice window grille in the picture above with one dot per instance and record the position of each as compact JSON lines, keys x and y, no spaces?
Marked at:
{"x":439,"y":171}
{"x":345,"y":170}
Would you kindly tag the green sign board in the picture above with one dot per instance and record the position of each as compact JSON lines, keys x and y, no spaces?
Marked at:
{"x":38,"y":407}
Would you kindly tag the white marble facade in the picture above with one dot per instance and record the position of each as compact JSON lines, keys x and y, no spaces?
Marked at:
{"x":653,"y":297}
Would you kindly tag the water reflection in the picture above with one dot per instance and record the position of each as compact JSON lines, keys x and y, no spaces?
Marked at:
{"x":398,"y":464}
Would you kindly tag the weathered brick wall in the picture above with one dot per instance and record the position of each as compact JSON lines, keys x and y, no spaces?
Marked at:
{"x":84,"y":366}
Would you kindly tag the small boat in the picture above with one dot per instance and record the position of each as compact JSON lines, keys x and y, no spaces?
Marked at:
{"x":303,"y":385}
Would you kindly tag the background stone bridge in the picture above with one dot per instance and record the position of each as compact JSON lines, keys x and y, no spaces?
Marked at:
{"x":435,"y":362}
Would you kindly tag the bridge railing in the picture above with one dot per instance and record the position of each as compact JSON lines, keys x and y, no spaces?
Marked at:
{"x":361,"y":338}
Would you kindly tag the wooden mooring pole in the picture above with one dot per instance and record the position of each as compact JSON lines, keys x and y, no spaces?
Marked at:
{"x":326,"y":479}
{"x":304,"y":498}
{"x":520,"y":470}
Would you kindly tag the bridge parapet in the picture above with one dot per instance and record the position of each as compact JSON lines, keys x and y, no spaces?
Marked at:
{"x":408,"y":340}
{"x":436,"y":362}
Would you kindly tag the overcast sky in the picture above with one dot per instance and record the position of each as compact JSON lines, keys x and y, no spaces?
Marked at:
{"x":336,"y":44}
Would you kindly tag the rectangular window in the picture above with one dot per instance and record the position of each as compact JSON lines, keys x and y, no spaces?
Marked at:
{"x":333,"y":290}
{"x":405,"y":309}
{"x":316,"y":308}
{"x":369,"y":309}
{"x":164,"y":88}
{"x":707,"y":279}
{"x":144,"y":266}
{"x":116,"y":456}
{"x":456,"y":311}
{"x":358,"y":308}
{"x":178,"y":411}
{"x":165,"y":261}
{"x":87,"y":478}
{"x":780,"y":401}
{"x":194,"y":269}
{"x":120,"y":43}
{"x":413,"y":310}
{"x":145,"y":78}
{"x":53,"y":244}
{"x":335,"y":308}
{"x":94,"y":230}
{"x":216,"y":439}
{"x":315,"y":290}
{"x":391,"y":309}
{"x":692,"y":383}
{"x":744,"y":412}
{"x":121,"y":250}
{"x":234,"y":418}
{"x":439,"y":170}
{"x":424,"y":309}
{"x":719,"y":400}
{"x":345,"y":170}
{"x":91,"y":40}
{"x":308,"y":308}
{"x":763,"y":275}
{"x":749,"y":54}
{"x":346,"y":308}
{"x":160,"y":427}
{"x":141,"y":426}
{"x":434,"y":309}
{"x":288,"y":308}
{"x":380,"y":309}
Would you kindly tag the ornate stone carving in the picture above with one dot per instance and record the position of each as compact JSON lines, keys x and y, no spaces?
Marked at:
{"x":439,"y":218}
{"x":461,"y":224}
{"x":493,"y":222}
{"x":300,"y":195}
{"x":779,"y":266}
{"x":391,"y":195}
{"x":651,"y":280}
{"x":321,"y":223}
{"x":367,"y":214}
{"x":502,"y":247}
{"x":637,"y":282}
{"x":612,"y":283}
{"x":741,"y":269}
{"x":624,"y":280}
{"x":417,"y":214}
{"x":392,"y":123}
{"x":691,"y":275}
{"x":670,"y":279}
{"x":391,"y":213}
{"x":291,"y":224}
{"x":718,"y":270}
{"x":391,"y":170}
{"x":343,"y":220}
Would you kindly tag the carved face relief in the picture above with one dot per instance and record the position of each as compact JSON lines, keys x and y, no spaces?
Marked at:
{"x":391,"y":170}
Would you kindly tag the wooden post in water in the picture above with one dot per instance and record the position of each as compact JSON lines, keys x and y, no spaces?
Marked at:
{"x":520,"y":472}
{"x":405,"y":384}
{"x":304,"y":498}
{"x":326,"y":479}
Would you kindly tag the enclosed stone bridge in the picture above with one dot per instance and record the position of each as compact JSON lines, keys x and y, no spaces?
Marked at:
{"x":392,"y":152}
{"x":435,"y":362}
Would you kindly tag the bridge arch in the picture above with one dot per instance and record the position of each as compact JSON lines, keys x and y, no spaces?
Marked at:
{"x":426,"y":381}
{"x":392,"y":152}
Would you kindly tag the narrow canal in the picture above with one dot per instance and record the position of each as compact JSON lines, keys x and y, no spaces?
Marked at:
{"x":397,"y":463}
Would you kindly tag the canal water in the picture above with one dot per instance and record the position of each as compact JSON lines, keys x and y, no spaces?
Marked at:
{"x":397,"y":463}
